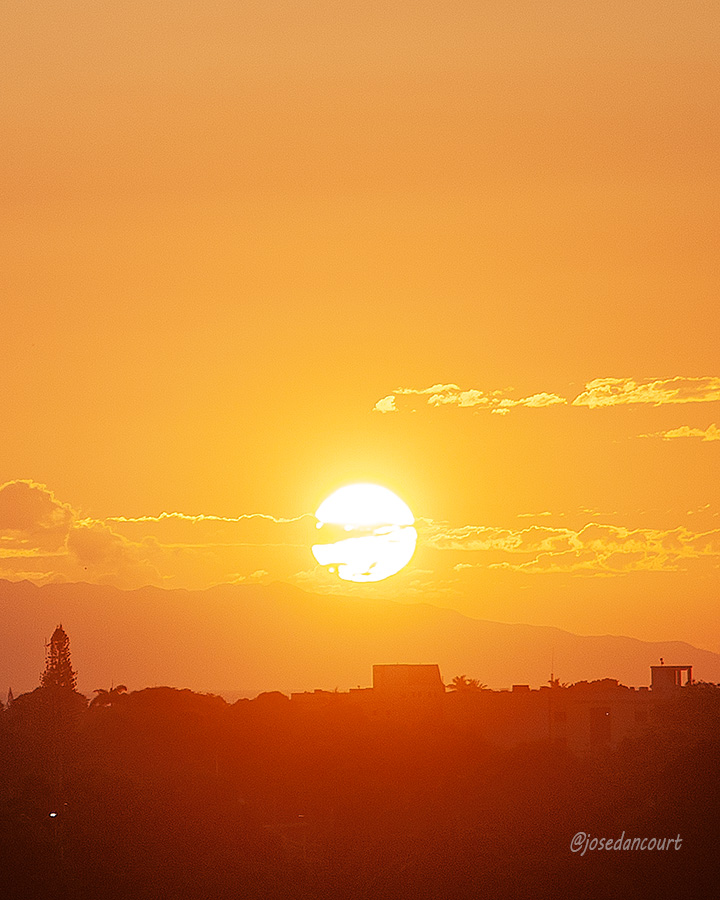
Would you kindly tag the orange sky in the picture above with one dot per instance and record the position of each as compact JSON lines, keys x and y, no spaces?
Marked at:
{"x":229,"y":233}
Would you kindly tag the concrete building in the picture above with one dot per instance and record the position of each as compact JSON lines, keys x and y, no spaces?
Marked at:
{"x":585,"y":717}
{"x":407,"y":682}
{"x":667,"y":679}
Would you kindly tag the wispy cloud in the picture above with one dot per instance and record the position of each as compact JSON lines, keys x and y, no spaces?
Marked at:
{"x":39,"y":532}
{"x":47,"y":540}
{"x":186,"y":517}
{"x":451,"y":395}
{"x":533,"y":539}
{"x":253,"y":578}
{"x":711,"y":433}
{"x":603,"y":392}
{"x":599,"y":393}
{"x":594,"y":549}
{"x":35,"y":524}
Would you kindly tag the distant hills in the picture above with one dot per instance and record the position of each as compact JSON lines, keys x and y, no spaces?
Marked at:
{"x":243,"y":639}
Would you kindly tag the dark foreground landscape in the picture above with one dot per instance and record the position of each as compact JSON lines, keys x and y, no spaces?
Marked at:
{"x":167,"y":793}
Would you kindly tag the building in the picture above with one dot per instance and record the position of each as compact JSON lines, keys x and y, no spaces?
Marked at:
{"x":407,"y":682}
{"x":585,"y":717}
{"x":667,"y":679}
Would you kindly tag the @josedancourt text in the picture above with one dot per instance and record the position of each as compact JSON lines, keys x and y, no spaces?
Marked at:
{"x":583,"y":842}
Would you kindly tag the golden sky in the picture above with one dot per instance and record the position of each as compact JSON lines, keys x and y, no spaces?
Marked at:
{"x":253,"y":252}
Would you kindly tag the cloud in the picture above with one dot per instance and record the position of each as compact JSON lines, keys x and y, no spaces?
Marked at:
{"x":192,"y":550}
{"x":185,"y":517}
{"x":536,"y":400}
{"x":451,"y":395}
{"x":44,"y":540}
{"x":604,"y":392}
{"x":711,"y":433}
{"x":111,"y":558}
{"x":594,"y":549}
{"x":254,"y":577}
{"x":22,"y":575}
{"x":179,"y":530}
{"x":386,"y":405}
{"x":35,"y":525}
{"x":480,"y":537}
{"x":600,"y":393}
{"x":32,"y":518}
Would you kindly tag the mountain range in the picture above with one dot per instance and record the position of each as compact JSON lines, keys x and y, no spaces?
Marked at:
{"x":239,"y":640}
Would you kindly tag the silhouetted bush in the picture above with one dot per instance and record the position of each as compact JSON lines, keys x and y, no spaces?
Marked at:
{"x":169,"y":793}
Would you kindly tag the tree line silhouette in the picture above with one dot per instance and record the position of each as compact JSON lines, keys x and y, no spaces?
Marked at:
{"x":165,"y":792}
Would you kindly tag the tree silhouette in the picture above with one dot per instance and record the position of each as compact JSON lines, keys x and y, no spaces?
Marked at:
{"x":463,"y":683}
{"x":107,"y":698}
{"x":58,"y":667}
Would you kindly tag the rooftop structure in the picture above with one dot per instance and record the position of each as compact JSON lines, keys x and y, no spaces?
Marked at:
{"x":665,"y":679}
{"x":403,"y":681}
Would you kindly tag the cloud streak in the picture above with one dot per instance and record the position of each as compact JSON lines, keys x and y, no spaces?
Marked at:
{"x":185,"y":517}
{"x":711,"y":433}
{"x":483,"y":538}
{"x":598,"y":394}
{"x":594,"y":549}
{"x":604,"y":392}
{"x":439,"y":395}
{"x":46,"y":540}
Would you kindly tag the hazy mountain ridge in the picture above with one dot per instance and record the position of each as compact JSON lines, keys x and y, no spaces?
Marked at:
{"x":245,"y":638}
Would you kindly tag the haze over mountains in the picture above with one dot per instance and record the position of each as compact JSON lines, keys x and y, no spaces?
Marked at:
{"x":243,"y":639}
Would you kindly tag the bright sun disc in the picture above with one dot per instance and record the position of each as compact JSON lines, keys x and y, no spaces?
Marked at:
{"x":367,"y":533}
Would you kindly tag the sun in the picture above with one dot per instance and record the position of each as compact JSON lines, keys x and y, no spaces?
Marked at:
{"x":366,"y":533}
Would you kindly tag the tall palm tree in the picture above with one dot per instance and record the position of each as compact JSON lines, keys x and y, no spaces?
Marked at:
{"x":107,"y":698}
